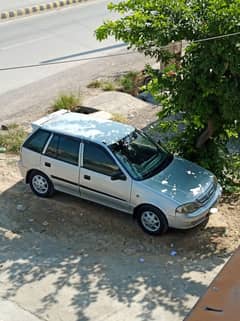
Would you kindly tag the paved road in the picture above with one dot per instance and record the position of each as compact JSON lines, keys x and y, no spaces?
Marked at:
{"x":50,"y":37}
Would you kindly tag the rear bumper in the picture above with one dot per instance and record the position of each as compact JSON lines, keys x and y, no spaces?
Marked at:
{"x":22,"y":169}
{"x":186,"y":221}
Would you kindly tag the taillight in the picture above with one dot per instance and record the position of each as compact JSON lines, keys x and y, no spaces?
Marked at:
{"x":20,"y":154}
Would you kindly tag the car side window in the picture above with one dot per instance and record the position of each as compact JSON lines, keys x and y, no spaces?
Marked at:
{"x":98,"y":159}
{"x":37,"y":141}
{"x":64,"y":148}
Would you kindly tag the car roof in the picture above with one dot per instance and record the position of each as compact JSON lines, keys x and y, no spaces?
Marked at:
{"x":85,"y":126}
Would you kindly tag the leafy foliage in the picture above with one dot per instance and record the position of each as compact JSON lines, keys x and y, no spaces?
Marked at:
{"x":199,"y":92}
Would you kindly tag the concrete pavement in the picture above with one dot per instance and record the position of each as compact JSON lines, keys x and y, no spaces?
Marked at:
{"x":18,"y":8}
{"x":10,"y":311}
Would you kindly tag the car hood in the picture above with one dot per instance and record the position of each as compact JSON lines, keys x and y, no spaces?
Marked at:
{"x":181,"y":180}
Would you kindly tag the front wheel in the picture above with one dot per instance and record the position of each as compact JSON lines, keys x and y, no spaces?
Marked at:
{"x":41,"y":184}
{"x":152,"y":220}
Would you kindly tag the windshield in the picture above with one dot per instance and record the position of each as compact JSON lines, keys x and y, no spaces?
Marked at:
{"x":141,"y":157}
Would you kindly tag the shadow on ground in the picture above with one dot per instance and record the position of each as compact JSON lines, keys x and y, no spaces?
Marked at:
{"x":91,"y":261}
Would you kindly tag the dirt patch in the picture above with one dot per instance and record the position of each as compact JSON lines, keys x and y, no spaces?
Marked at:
{"x":69,"y":218}
{"x":68,"y":257}
{"x":65,"y":256}
{"x":105,"y":230}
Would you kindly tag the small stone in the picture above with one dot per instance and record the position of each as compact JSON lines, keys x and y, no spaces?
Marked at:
{"x":20,"y":208}
{"x":45,"y":223}
{"x":215,"y":289}
{"x":141,"y":260}
{"x":31,"y":220}
{"x":129,"y":251}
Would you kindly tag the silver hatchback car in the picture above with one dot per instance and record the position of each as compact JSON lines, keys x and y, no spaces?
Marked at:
{"x":118,"y":166}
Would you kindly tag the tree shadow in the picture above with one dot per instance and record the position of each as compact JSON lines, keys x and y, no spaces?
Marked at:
{"x":84,"y":259}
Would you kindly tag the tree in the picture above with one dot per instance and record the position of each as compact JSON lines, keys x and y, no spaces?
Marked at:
{"x":204,"y":86}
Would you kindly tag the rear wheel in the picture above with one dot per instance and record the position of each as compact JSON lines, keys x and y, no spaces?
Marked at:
{"x":152,"y":220}
{"x":41,"y":184}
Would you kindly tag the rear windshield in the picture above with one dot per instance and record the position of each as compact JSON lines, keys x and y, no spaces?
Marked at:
{"x":37,"y":140}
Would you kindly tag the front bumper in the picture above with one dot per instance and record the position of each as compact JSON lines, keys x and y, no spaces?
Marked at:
{"x":186,"y":221}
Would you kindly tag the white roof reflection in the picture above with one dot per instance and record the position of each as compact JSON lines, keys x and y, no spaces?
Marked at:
{"x":85,"y":126}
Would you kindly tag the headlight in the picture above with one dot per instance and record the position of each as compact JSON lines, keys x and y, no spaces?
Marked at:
{"x":215,"y":180}
{"x":188,"y":208}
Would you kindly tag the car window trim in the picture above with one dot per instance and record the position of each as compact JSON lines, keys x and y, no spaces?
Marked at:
{"x":47,"y":143}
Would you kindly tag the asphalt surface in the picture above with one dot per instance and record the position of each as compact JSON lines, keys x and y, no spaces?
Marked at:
{"x":51,"y":37}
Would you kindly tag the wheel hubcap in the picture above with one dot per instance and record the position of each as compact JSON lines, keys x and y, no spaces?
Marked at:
{"x":150,"y":221}
{"x":40,"y":184}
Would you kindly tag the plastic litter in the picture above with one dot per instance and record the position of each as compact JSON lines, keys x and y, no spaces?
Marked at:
{"x":213,"y":210}
{"x":20,"y":208}
{"x":141,"y":260}
{"x":2,"y":149}
{"x":173,"y":253}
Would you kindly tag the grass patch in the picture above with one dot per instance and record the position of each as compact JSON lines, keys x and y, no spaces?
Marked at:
{"x":12,"y":138}
{"x":105,"y":85}
{"x":67,"y":101}
{"x":108,"y":86}
{"x":95,"y":84}
{"x":119,"y":118}
{"x":130,"y":82}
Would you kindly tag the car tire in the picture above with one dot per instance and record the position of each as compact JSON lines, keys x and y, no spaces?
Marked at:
{"x":152,"y":220}
{"x":40,"y":184}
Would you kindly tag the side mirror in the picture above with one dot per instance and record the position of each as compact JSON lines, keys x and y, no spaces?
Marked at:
{"x":118,"y":176}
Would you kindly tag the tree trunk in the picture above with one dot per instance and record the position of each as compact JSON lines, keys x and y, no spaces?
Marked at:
{"x":206,"y":134}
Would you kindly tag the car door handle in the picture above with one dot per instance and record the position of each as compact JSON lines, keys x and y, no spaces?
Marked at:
{"x":47,"y":164}
{"x":87,"y":177}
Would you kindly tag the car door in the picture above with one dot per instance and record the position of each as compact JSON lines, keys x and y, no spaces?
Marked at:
{"x":60,"y":161}
{"x":96,"y":178}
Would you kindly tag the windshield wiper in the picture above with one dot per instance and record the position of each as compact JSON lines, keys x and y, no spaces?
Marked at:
{"x":167,"y":160}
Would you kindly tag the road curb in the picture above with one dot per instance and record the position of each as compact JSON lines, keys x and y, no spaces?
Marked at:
{"x":20,"y":12}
